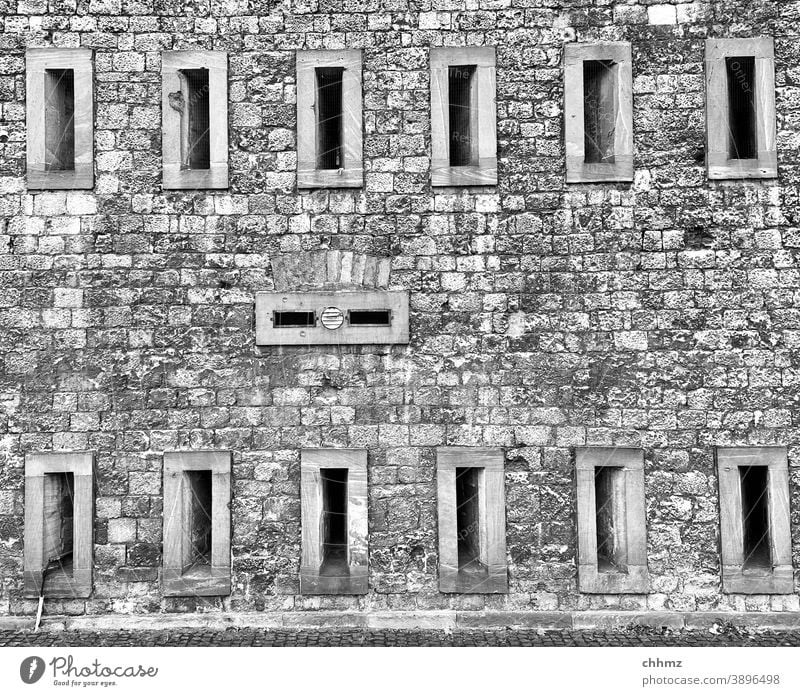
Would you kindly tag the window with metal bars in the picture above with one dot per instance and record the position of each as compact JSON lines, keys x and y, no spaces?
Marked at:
{"x":755,"y":516}
{"x":740,"y":72}
{"x":58,"y":520}
{"x":599,"y":110}
{"x":468,"y":518}
{"x":59,"y":121}
{"x":329,"y":117}
{"x":463,"y":148}
{"x":198,"y":530}
{"x":334,"y":522}
{"x":195,"y":119}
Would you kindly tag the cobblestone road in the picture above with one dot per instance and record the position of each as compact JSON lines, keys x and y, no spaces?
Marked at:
{"x":246,"y":637}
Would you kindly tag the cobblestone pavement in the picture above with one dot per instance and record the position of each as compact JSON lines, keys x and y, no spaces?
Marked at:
{"x":497,"y":637}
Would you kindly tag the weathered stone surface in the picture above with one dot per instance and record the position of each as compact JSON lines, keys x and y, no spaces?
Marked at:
{"x":662,"y":314}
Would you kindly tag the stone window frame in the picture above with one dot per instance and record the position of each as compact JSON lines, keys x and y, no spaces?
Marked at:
{"x":173,"y":176}
{"x":735,"y":578}
{"x":397,"y":301}
{"x":352,"y":174}
{"x":215,"y":580}
{"x":312,"y":462}
{"x":80,"y":61}
{"x":57,"y":583}
{"x":485,"y":93}
{"x":578,"y":170}
{"x":590,"y":579}
{"x":493,"y":522}
{"x":718,"y":163}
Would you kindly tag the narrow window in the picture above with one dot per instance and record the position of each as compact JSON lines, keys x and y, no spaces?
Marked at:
{"x":600,"y":110}
{"x":468,"y":518}
{"x":609,"y":484}
{"x":333,"y":506}
{"x":329,"y":117}
{"x":471,"y":505}
{"x":741,"y":107}
{"x":58,"y":525}
{"x":755,"y":516}
{"x":59,"y":122}
{"x":612,"y":536}
{"x":462,"y":120}
{"x":291,"y":319}
{"x":194,"y":119}
{"x":370,"y":317}
{"x":195,"y":140}
{"x":334,"y":522}
{"x":197,"y":550}
{"x":59,"y":517}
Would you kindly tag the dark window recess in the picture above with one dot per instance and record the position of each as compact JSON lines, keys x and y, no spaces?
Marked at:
{"x":463,"y":144}
{"x":742,"y":107}
{"x":369,"y":317}
{"x":599,"y":110}
{"x":468,"y":518}
{"x":197,"y":550}
{"x":609,"y":493}
{"x":755,"y":516}
{"x":59,"y":121}
{"x":59,"y":520}
{"x":329,"y":118}
{"x":333,"y":532}
{"x":197,"y":141}
{"x":291,"y":319}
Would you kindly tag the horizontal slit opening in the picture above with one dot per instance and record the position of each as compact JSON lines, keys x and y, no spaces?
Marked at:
{"x":369,"y":317}
{"x":293,"y":318}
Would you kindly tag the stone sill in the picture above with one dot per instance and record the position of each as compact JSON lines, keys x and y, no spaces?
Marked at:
{"x":432,"y":620}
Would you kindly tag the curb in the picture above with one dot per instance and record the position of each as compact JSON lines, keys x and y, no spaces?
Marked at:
{"x":433,"y":620}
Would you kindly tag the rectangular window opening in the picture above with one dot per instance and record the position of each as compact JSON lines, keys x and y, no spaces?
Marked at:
{"x":292,"y":319}
{"x":195,"y":119}
{"x":599,"y":110}
{"x":741,"y":73}
{"x":468,"y":518}
{"x":755,"y":516}
{"x":334,"y":530}
{"x":609,"y":487}
{"x":370,"y":317}
{"x":460,"y":85}
{"x":197,"y":550}
{"x":329,"y":118}
{"x":59,"y":122}
{"x":59,"y":520}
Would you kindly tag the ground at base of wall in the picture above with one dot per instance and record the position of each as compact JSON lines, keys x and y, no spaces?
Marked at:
{"x":234,"y":637}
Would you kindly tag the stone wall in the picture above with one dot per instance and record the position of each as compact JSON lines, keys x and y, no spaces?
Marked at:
{"x":662,"y":314}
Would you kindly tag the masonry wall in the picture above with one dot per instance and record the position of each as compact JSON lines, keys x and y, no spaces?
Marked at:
{"x":663,"y":314}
